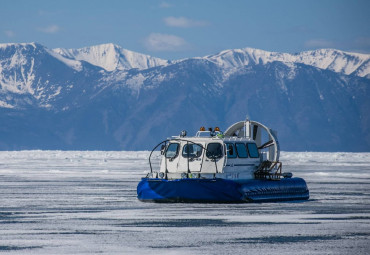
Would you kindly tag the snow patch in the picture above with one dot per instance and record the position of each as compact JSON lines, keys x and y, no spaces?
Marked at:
{"x":112,"y":57}
{"x":75,"y":64}
{"x":5,"y":105}
{"x":136,"y":82}
{"x":57,"y":92}
{"x":7,"y":45}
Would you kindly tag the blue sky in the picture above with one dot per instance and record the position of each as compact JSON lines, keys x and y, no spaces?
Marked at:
{"x":181,"y":29}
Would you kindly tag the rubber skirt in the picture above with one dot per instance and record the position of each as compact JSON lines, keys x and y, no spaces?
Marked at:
{"x":221,"y":190}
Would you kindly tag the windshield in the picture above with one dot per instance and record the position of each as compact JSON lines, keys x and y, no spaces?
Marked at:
{"x":192,"y":151}
{"x":214,"y":150}
{"x":172,"y":150}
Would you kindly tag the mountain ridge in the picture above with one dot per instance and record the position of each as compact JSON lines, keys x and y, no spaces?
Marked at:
{"x":112,"y":57}
{"x":54,"y":101}
{"x":330,"y":59}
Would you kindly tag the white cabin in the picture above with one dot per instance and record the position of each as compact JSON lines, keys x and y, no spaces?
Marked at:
{"x":235,"y":154}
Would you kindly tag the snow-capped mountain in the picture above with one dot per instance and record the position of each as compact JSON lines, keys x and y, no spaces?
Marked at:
{"x":327,"y":59}
{"x":112,"y":57}
{"x":33,"y":75}
{"x":105,"y":97}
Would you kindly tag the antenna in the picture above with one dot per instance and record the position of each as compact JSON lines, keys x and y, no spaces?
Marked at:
{"x":247,"y":127}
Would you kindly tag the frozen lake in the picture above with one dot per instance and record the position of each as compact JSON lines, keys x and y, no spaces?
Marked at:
{"x":55,"y":202}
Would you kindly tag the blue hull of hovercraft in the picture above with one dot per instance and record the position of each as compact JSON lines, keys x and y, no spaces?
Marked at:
{"x":221,"y":190}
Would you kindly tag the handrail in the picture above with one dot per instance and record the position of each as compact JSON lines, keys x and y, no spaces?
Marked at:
{"x":226,"y":156}
{"x":165,"y":160}
{"x":150,"y":155}
{"x":188,"y":153}
{"x":181,"y":140}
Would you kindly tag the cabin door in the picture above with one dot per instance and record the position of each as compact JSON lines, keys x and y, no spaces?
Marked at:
{"x":190,"y":157}
{"x":214,"y":158}
{"x":171,"y":158}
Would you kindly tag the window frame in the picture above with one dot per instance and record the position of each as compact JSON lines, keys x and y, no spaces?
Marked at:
{"x":237,"y":151}
{"x":207,"y":151}
{"x":186,"y":154}
{"x":227,"y":150}
{"x":258,"y":153}
{"x":177,"y":151}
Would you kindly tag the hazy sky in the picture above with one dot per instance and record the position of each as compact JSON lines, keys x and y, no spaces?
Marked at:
{"x":179,"y":29}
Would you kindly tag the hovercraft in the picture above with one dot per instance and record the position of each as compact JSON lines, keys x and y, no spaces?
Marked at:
{"x":215,"y":167}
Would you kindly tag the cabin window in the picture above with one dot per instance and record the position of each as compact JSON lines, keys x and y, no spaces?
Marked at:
{"x":241,"y":150}
{"x":172,"y":150}
{"x":192,"y":151}
{"x":231,"y":153}
{"x":253,"y":151}
{"x":214,"y":150}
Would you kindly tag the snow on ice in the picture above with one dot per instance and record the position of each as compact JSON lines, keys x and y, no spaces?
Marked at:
{"x":84,"y":202}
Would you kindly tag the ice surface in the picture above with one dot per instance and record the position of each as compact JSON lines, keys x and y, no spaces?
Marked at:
{"x":84,"y":202}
